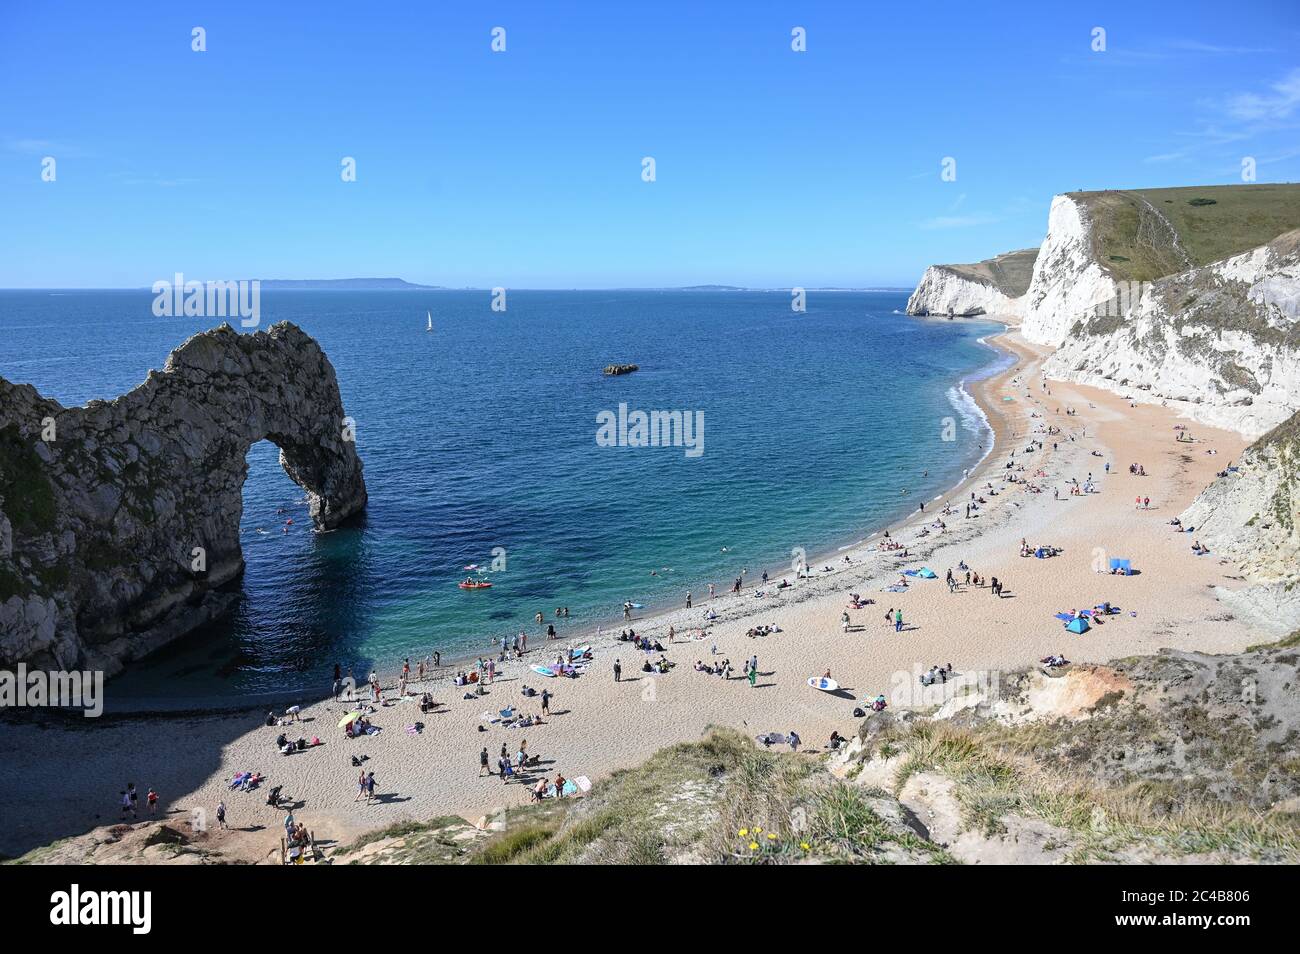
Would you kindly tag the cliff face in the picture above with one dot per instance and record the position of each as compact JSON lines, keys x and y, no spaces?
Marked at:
{"x":1251,"y":516}
{"x":1101,"y":245}
{"x":1068,"y":281}
{"x":1223,"y":339}
{"x":994,"y":287}
{"x":119,"y":520}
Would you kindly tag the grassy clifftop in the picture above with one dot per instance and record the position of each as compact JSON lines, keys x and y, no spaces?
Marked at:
{"x":1009,"y":272}
{"x":1145,"y":234}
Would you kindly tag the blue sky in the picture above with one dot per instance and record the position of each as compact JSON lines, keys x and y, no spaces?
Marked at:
{"x":523,"y":168}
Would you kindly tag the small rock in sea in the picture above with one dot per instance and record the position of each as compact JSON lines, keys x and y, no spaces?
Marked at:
{"x":620,"y":368}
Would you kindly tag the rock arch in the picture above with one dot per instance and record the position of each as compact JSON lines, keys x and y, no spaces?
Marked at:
{"x":102,"y":526}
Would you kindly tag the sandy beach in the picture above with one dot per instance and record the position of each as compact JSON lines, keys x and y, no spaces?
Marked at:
{"x":597,"y":726}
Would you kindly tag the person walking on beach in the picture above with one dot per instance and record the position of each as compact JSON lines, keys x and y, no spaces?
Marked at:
{"x":361,"y":786}
{"x":221,"y":815}
{"x":712,"y":591}
{"x":483,"y":767}
{"x":844,"y":620}
{"x":618,"y":671}
{"x":995,"y":587}
{"x":152,"y":800}
{"x":370,"y":787}
{"x":753,"y":676}
{"x":546,"y":702}
{"x":889,"y":617}
{"x":898,"y":620}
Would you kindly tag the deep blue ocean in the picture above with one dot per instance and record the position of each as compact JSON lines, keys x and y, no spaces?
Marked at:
{"x":483,"y":435}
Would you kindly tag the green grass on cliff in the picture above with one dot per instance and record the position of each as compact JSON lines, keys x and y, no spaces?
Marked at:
{"x":1209,"y":223}
{"x":1009,"y":272}
{"x":721,"y":800}
{"x":28,"y":496}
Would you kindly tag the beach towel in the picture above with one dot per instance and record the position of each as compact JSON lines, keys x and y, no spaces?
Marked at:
{"x":911,"y":573}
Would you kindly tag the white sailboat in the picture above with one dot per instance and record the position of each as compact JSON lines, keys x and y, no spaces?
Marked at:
{"x":430,"y":314}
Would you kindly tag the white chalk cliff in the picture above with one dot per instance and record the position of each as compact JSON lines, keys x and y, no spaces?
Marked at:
{"x":1068,"y":280}
{"x":1221,"y":343}
{"x":993,"y":287}
{"x":1251,"y":516}
{"x":943,"y":291}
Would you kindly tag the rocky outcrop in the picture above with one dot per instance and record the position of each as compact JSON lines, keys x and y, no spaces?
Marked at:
{"x":1251,"y":516}
{"x":616,"y":369}
{"x":993,"y":287}
{"x":119,"y":521}
{"x":1221,"y":342}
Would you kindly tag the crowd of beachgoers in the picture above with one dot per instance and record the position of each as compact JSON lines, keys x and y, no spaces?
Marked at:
{"x":1039,"y":557}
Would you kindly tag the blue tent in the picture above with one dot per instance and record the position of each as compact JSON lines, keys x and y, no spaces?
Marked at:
{"x":1124,"y":566}
{"x":1079,"y":626}
{"x":926,"y":573}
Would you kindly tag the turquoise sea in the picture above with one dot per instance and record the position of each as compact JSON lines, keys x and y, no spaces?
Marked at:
{"x":482,"y":435}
